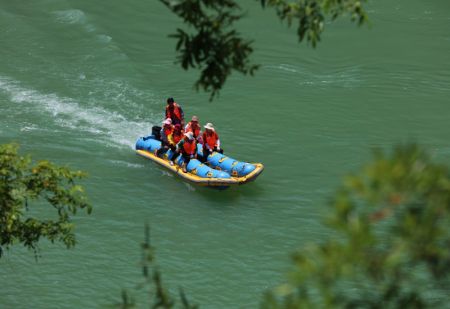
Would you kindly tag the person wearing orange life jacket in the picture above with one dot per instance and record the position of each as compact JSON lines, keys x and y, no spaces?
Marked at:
{"x":211,"y":141}
{"x":194,"y":127}
{"x":187,"y":147}
{"x":166,"y":131}
{"x":174,"y":138}
{"x":174,"y":112}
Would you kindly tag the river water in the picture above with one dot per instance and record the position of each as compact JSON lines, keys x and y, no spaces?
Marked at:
{"x":81,"y":80}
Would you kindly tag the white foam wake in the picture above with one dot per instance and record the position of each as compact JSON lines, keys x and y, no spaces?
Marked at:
{"x":78,"y":18}
{"x":72,"y":16}
{"x":110,"y":126}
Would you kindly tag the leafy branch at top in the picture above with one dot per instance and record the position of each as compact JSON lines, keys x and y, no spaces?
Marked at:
{"x":214,"y":47}
{"x":217,"y":49}
{"x":310,"y":14}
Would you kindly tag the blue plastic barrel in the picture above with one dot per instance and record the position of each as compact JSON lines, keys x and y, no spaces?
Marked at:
{"x":233,"y":167}
{"x":201,"y":170}
{"x":148,"y":143}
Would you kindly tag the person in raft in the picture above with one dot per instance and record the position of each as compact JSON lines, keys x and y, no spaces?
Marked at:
{"x":174,"y":138}
{"x":187,"y":147}
{"x":166,"y":131}
{"x":211,"y":141}
{"x":174,"y":112}
{"x":194,"y":127}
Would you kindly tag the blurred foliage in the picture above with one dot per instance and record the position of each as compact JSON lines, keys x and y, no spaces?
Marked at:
{"x":212,"y":45}
{"x":389,"y":243}
{"x":20,"y":185}
{"x":310,"y":14}
{"x":157,"y":293}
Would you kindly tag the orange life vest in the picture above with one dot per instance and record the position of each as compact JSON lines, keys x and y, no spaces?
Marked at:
{"x":194,"y":129}
{"x":175,"y":113}
{"x":168,"y":130}
{"x":177,"y":136}
{"x":210,"y":139}
{"x":190,"y":147}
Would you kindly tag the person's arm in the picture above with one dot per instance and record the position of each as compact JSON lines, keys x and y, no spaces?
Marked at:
{"x":204,"y":141}
{"x":218,"y":143}
{"x":181,"y":113}
{"x":163,"y":135}
{"x":170,"y":139}
{"x":195,"y":152}
{"x":180,"y":145}
{"x":167,"y":113}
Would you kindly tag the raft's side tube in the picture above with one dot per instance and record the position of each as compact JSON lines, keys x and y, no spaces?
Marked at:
{"x":230,"y":165}
{"x":148,"y":143}
{"x":201,"y":170}
{"x":197,"y":168}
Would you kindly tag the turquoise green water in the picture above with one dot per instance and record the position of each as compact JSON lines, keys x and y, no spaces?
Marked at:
{"x":81,"y":80}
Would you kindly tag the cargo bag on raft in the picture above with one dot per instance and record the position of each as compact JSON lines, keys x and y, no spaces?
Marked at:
{"x":156,"y":132}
